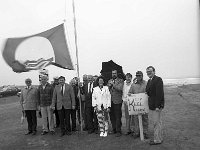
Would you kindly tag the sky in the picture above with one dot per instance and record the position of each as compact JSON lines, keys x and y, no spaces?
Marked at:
{"x":132,"y":33}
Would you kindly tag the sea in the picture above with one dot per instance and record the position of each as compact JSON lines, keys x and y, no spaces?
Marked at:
{"x":183,"y":81}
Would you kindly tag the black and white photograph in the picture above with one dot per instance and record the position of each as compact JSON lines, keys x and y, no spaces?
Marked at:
{"x":100,"y":75}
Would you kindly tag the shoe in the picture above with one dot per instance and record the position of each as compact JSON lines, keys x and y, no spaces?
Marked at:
{"x":52,"y":132}
{"x":44,"y":132}
{"x":34,"y":133}
{"x":29,"y":132}
{"x":118,"y":134}
{"x":105,"y":134}
{"x":62,"y":134}
{"x":154,"y":143}
{"x":113,"y":132}
{"x":101,"y":134}
{"x":127,"y":133}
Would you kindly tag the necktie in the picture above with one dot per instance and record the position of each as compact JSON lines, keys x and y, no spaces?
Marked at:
{"x":150,"y":81}
{"x":62,"y":90}
{"x":90,"y":88}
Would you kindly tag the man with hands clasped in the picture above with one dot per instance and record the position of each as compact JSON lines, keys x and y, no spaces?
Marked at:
{"x":63,"y":96}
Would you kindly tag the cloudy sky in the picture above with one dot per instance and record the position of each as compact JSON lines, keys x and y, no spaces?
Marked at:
{"x":133,"y":33}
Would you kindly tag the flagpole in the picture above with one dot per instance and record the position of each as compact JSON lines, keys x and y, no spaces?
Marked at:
{"x":77,"y":63}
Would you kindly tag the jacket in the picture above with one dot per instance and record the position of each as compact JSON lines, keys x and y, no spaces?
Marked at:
{"x":116,"y":91}
{"x":88,"y":95}
{"x":155,"y":91}
{"x":67,"y":100}
{"x":45,"y":95}
{"x":29,"y":98}
{"x":101,"y":97}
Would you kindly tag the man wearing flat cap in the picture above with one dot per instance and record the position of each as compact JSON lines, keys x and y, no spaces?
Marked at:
{"x":29,"y":103}
{"x":139,"y":86}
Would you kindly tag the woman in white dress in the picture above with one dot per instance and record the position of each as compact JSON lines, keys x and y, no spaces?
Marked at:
{"x":101,"y":101}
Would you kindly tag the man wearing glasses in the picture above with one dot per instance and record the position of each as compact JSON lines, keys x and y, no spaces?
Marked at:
{"x":155,"y":92}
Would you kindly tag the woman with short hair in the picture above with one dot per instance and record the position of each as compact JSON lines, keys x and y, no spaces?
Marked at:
{"x":101,"y":101}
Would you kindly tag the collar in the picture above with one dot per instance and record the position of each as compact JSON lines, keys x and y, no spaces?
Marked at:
{"x":140,"y":82}
{"x":100,"y":87}
{"x":29,"y":87}
{"x":45,"y":85}
{"x":62,"y":85}
{"x":128,"y":83}
{"x":153,"y":77}
{"x":116,"y":80}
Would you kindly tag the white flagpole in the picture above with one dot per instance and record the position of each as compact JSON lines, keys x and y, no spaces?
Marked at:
{"x":77,"y":63}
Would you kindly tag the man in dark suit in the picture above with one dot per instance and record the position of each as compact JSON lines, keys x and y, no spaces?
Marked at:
{"x":154,"y":90}
{"x":63,"y":97}
{"x":91,"y":118}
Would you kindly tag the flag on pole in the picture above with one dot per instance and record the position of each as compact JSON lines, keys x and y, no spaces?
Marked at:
{"x":56,"y":37}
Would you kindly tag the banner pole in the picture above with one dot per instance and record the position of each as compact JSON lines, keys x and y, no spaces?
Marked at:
{"x":75,"y":35}
{"x":141,"y":127}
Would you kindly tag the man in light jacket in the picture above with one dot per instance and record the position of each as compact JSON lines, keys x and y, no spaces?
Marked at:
{"x":116,"y":88}
{"x":63,"y":97}
{"x":29,"y":103}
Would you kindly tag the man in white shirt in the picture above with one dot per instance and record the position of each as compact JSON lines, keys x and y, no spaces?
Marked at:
{"x":126,"y":87}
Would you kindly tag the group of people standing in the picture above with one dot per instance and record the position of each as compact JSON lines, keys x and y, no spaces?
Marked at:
{"x":98,"y":102}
